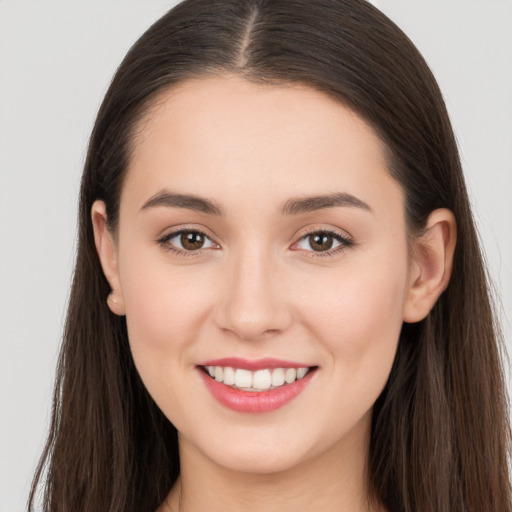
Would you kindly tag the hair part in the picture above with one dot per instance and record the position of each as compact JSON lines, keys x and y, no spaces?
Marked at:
{"x":440,"y":432}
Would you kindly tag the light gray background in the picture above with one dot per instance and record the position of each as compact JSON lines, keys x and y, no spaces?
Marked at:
{"x":56,"y":60}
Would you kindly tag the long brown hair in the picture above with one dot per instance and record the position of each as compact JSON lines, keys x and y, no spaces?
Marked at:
{"x":440,"y":433}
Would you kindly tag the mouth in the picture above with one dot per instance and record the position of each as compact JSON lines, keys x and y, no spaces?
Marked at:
{"x":266,"y":379}
{"x":257,"y":386}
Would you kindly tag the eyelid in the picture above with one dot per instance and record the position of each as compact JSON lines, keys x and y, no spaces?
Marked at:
{"x":163,"y":240}
{"x":345,"y":240}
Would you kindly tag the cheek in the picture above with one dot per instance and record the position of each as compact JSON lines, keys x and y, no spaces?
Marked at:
{"x":359,"y":318}
{"x":165,"y":307}
{"x":358,"y":323}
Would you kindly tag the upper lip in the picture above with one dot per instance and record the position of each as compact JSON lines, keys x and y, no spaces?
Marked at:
{"x":254,"y":364}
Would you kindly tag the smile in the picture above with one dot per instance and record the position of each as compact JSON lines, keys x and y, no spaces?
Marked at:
{"x":254,"y":381}
{"x":257,"y":386}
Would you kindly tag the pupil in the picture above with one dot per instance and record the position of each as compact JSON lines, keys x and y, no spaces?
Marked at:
{"x":191,"y":240}
{"x":321,"y":242}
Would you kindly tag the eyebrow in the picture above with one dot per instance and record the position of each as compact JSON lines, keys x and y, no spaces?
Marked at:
{"x":291,"y":207}
{"x":313,"y":203}
{"x":189,"y":201}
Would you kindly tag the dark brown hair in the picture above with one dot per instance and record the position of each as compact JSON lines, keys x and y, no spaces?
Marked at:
{"x":440,"y":434}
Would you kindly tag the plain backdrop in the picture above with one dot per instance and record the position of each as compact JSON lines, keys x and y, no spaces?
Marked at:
{"x":56,"y":60}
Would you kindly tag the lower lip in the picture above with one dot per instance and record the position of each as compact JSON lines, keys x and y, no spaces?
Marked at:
{"x":256,"y":401}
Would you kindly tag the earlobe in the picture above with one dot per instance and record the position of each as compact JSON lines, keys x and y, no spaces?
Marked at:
{"x":431,"y":265}
{"x":107,"y":253}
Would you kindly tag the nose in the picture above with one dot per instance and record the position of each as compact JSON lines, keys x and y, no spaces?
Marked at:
{"x":254,"y":301}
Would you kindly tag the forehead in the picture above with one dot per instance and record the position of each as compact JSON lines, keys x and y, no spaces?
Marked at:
{"x":229,"y":138}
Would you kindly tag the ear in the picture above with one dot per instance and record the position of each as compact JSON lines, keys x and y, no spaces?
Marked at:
{"x":431,"y":265}
{"x":107,"y":252}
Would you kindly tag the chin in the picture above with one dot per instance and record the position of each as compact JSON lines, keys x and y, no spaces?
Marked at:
{"x":258,"y":461}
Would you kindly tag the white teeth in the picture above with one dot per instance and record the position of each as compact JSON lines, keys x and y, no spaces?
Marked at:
{"x":256,"y":381}
{"x":262,"y":379}
{"x":301,"y":372}
{"x":243,"y":378}
{"x":290,"y":375}
{"x":229,"y":376}
{"x":278,"y":377}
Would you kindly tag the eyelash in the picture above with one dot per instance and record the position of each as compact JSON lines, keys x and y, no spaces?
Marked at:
{"x":164,"y":242}
{"x":345,"y":242}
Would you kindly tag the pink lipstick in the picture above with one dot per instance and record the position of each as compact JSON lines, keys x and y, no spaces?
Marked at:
{"x":254,"y":386}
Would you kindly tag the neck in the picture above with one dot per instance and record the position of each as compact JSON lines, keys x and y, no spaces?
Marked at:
{"x":333,"y":481}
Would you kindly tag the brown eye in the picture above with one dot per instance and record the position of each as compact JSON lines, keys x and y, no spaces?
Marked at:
{"x":189,"y":240}
{"x":192,"y":240}
{"x":321,"y":241}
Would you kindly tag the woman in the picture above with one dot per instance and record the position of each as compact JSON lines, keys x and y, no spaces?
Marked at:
{"x":279,"y":299}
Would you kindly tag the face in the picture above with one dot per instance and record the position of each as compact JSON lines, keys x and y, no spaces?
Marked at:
{"x":260,"y":237}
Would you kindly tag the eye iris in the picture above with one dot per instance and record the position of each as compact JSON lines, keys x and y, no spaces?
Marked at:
{"x":191,"y":240}
{"x":321,"y":241}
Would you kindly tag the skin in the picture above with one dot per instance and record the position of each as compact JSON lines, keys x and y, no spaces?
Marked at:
{"x":258,"y":289}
